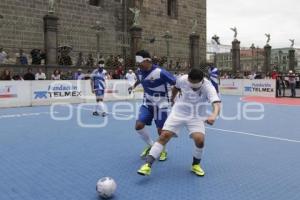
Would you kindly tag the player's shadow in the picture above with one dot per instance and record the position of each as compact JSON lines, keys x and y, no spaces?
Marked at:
{"x":143,"y":180}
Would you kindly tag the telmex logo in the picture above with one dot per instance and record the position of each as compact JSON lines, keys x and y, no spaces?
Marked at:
{"x":58,"y":91}
{"x":259,"y":87}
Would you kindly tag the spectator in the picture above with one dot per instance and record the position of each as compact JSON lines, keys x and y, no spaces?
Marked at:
{"x":292,"y":81}
{"x":36,"y":56}
{"x":109,"y":76}
{"x":274,"y":74}
{"x":40,"y":75}
{"x":280,"y":86}
{"x":80,"y":60}
{"x":88,"y":75}
{"x":17,"y":77}
{"x":79,"y":75}
{"x":21,"y":58}
{"x":90,"y":61}
{"x":3,"y":56}
{"x":252,"y":76}
{"x":6,"y":75}
{"x":120,"y":72}
{"x":115,"y":75}
{"x":178,"y":66}
{"x":67,"y":76}
{"x":55,"y":75}
{"x":110,"y":62}
{"x":29,"y":75}
{"x":120,"y":59}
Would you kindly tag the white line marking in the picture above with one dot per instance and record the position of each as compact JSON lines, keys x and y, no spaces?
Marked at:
{"x":18,"y":115}
{"x":255,"y":135}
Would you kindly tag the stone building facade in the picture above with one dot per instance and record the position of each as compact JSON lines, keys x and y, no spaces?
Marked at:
{"x":22,"y":26}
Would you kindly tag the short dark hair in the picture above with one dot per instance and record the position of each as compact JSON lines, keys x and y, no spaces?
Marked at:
{"x":101,"y":62}
{"x":196,"y":74}
{"x":143,"y":53}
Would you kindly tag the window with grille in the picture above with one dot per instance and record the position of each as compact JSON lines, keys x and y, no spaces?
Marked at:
{"x":96,"y":2}
{"x":172,"y":8}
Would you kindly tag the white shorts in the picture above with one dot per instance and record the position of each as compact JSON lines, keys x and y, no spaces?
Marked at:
{"x":175,"y":123}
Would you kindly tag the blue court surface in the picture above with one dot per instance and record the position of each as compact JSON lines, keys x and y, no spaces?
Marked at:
{"x":46,"y":159}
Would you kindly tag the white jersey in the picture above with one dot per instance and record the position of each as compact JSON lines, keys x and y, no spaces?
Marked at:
{"x":131,"y":78}
{"x":194,"y":103}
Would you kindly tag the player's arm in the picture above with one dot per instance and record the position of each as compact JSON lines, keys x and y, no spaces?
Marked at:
{"x":168,"y":77}
{"x":216,"y":103}
{"x":175,"y":92}
{"x":216,"y":111}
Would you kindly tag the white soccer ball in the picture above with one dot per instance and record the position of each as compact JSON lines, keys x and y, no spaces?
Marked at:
{"x":106,"y":187}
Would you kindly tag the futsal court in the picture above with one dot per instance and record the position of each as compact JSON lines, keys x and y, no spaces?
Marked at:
{"x":46,"y":159}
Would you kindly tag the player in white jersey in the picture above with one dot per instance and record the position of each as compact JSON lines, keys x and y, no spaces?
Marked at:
{"x":131,"y":78}
{"x":188,"y":111}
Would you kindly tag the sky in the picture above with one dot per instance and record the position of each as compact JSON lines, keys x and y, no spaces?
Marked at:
{"x":254,"y":18}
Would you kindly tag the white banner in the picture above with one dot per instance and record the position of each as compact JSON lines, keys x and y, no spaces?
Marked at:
{"x":27,"y":93}
{"x":246,"y":87}
{"x":260,"y":87}
{"x":231,"y":86}
{"x":48,"y":92}
{"x":15,"y":93}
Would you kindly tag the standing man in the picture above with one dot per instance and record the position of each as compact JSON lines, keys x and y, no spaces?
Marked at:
{"x":188,"y":111}
{"x":155,"y":82}
{"x":292,"y":81}
{"x":213,"y":73}
{"x":98,"y":88}
{"x":131,"y":78}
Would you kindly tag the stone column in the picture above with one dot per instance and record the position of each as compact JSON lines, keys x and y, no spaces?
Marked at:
{"x":136,"y":40}
{"x":267,"y":61}
{"x":50,"y":37}
{"x":236,"y":57}
{"x":194,"y":50}
{"x":292,"y":59}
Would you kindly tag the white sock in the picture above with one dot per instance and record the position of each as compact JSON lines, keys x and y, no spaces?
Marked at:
{"x":198,"y":152}
{"x":156,"y":150}
{"x":143,"y":133}
{"x":100,"y":106}
{"x":97,"y":108}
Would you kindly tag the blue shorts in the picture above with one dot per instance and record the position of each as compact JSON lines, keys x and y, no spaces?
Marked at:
{"x":148,"y":113}
{"x":99,"y":93}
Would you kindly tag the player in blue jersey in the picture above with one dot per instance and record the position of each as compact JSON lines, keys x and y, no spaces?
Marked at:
{"x":155,"y":106}
{"x":98,"y":88}
{"x":213,"y":73}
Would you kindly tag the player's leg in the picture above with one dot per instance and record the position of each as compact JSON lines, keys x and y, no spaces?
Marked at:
{"x":155,"y":152}
{"x":160,"y":117}
{"x":197,"y":133}
{"x":171,"y":128}
{"x":99,"y":107}
{"x":145,"y":118}
{"x":198,"y":138}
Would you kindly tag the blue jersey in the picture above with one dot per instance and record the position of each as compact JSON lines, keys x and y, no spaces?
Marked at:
{"x":98,"y":78}
{"x":214,"y":77}
{"x":155,"y":83}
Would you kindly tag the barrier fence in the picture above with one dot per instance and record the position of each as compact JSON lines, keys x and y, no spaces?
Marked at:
{"x":35,"y":93}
